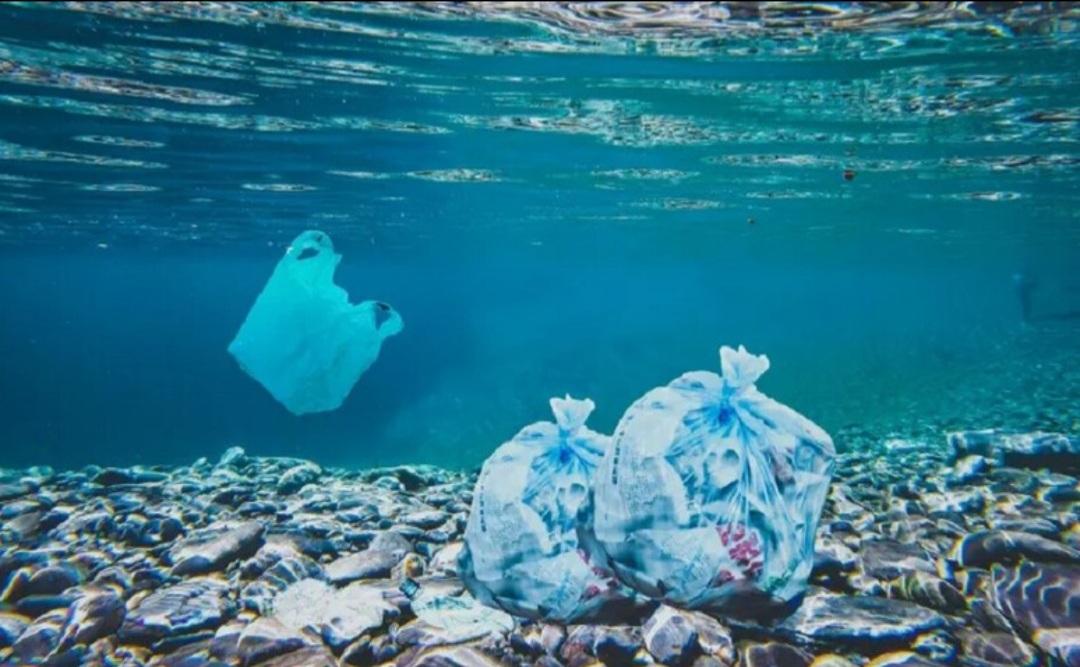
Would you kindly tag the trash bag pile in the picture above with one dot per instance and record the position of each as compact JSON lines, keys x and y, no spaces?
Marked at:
{"x":707,"y":497}
{"x":303,"y":340}
{"x":522,"y":550}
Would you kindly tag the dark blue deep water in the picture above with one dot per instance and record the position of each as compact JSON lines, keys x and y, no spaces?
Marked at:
{"x":555,"y":201}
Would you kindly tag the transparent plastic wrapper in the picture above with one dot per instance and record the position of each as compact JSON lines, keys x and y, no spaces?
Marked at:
{"x":710,"y":496}
{"x":302,"y":340}
{"x":522,"y":551}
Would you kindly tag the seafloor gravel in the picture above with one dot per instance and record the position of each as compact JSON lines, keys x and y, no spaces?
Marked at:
{"x":927,"y":555}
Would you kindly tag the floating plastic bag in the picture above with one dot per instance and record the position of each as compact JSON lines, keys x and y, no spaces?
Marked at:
{"x":711,"y":494}
{"x":522,"y":553}
{"x":302,"y":339}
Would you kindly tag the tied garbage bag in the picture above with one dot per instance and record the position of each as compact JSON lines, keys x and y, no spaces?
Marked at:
{"x":522,"y":553}
{"x":303,"y":340}
{"x":710,"y":496}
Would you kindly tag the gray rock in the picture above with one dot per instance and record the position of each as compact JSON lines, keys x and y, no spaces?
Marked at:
{"x":93,"y":616}
{"x":266,"y":638}
{"x":968,"y":469}
{"x":1061,"y":644}
{"x":773,"y":654}
{"x":297,"y":477}
{"x":1031,"y":450}
{"x":670,"y":636}
{"x":378,"y":560}
{"x":887,"y":559}
{"x":215,"y":547}
{"x":196,"y":604}
{"x":985,"y":548}
{"x":857,"y":620}
{"x":425,"y":519}
{"x":233,"y":457}
{"x":928,"y":590}
{"x":259,"y":595}
{"x":455,"y":656}
{"x":995,"y":649}
{"x":40,"y":638}
{"x":11,"y":626}
{"x":1037,"y":596}
{"x":616,"y":644}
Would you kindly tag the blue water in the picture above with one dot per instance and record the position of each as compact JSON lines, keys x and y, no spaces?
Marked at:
{"x":554,"y":201}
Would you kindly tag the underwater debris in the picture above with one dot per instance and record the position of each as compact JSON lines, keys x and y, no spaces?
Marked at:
{"x":522,"y":549}
{"x":710,"y":496}
{"x":302,"y":339}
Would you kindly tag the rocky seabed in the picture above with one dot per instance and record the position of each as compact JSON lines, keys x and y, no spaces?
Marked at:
{"x":927,"y":555}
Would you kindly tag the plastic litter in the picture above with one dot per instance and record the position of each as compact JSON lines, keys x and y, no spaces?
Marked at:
{"x":522,"y":551}
{"x":460,"y":617}
{"x":303,"y":340}
{"x":710,"y":496}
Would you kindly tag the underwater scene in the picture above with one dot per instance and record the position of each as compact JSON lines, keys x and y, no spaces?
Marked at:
{"x":462,"y":334}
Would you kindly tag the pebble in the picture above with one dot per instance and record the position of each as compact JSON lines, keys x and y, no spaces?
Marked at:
{"x":278,"y":561}
{"x":858,"y":620}
{"x":195,"y":604}
{"x":215,"y":547}
{"x":267,"y":638}
{"x":670,"y":636}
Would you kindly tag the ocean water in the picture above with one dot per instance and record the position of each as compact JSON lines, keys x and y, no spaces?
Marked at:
{"x":584,"y":199}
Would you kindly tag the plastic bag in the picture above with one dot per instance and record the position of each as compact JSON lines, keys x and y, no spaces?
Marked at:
{"x":711,"y":494}
{"x":522,"y":553}
{"x":303,"y":340}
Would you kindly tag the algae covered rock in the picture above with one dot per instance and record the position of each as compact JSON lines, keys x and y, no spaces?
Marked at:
{"x":302,"y":340}
{"x":710,"y":496}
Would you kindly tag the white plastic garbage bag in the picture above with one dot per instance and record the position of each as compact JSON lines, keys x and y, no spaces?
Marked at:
{"x":302,"y":339}
{"x":522,"y":552}
{"x":710,"y":496}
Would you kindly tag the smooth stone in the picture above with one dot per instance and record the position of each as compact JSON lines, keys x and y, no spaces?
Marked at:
{"x":213,"y":548}
{"x":36,"y":605}
{"x":1032,"y":450}
{"x":91,"y":617}
{"x":266,"y":638}
{"x":356,"y":609}
{"x":968,"y":469}
{"x":929,"y":591}
{"x":378,"y":560}
{"x":308,"y":656}
{"x":1061,"y":644}
{"x":114,"y":477}
{"x":1037,"y":596}
{"x":902,"y":659}
{"x":52,"y":580}
{"x":39,"y":638}
{"x":616,"y":644}
{"x":455,"y":656}
{"x":773,"y":654}
{"x":857,"y":620}
{"x":259,"y":594}
{"x":936,"y":645}
{"x":670,"y":637}
{"x":831,"y":660}
{"x":995,"y":649}
{"x":369,"y":651}
{"x":9,"y":491}
{"x":985,"y":548}
{"x":189,"y":606}
{"x":887,"y":559}
{"x":425,"y":519}
{"x":233,"y":456}
{"x":11,"y":626}
{"x":445,"y":560}
{"x":200,"y":638}
{"x":297,"y":477}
